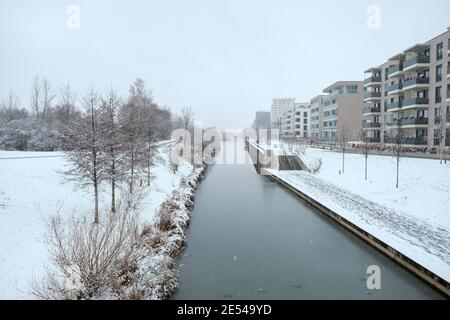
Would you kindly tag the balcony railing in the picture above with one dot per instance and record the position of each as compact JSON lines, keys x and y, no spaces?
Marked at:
{"x":437,"y":142}
{"x":371,"y":110}
{"x":372,"y":79}
{"x":394,"y":87}
{"x":422,"y":141}
{"x":414,"y":121}
{"x":372,"y":94}
{"x":415,"y":101}
{"x":416,"y":60}
{"x":371,"y":125}
{"x":415,"y":81}
{"x":394,"y":105}
{"x":395,"y":69}
{"x":372,"y":139}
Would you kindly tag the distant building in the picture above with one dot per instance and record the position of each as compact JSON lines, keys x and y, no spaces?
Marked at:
{"x":316,"y":119}
{"x":278,"y":109}
{"x":262,"y":120}
{"x":341,"y":111}
{"x":295,"y":121}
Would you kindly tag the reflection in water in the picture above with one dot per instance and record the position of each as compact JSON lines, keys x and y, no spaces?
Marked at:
{"x":251,"y":239}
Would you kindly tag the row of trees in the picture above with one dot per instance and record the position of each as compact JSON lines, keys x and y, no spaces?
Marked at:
{"x":115,"y":140}
{"x":38,"y":126}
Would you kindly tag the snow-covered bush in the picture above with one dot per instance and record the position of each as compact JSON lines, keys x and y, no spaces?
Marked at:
{"x":316,"y":164}
{"x":94,"y":260}
{"x":28,"y":134}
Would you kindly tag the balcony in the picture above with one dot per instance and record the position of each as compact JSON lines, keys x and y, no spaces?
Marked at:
{"x":415,"y":103}
{"x":393,"y":106}
{"x":419,"y":141}
{"x":414,"y":121}
{"x":395,"y":71}
{"x":369,"y":110}
{"x":372,"y":81}
{"x":395,"y":88}
{"x":330,"y":107}
{"x":372,"y":95}
{"x":416,"y":83}
{"x":418,"y":62}
{"x":371,"y":125}
{"x":330,"y":117}
{"x":372,"y":140}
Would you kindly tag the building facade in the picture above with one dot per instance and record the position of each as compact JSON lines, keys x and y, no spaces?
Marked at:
{"x":341,"y":111}
{"x":278,"y":109}
{"x":407,"y":98}
{"x":316,"y":119}
{"x":295,"y":121}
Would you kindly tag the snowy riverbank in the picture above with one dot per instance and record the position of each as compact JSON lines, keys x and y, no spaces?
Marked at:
{"x":413,"y":219}
{"x":32,"y":189}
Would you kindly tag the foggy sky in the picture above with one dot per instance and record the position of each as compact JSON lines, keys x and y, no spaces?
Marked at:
{"x":226,"y":59}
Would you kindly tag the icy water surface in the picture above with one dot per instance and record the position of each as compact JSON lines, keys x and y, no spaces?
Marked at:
{"x":251,"y":239}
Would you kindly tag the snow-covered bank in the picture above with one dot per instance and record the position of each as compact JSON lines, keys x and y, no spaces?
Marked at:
{"x":33,"y":189}
{"x":413,"y":219}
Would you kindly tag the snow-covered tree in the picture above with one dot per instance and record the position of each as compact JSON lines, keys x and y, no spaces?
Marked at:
{"x":85,"y":142}
{"x":114,"y":153}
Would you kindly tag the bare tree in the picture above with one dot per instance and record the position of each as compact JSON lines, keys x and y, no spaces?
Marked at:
{"x":67,"y":99}
{"x":36,"y":97}
{"x":398,"y":148}
{"x":85,"y":142}
{"x":365,"y":147}
{"x":42,"y":96}
{"x":132,"y":127}
{"x":343,"y":139}
{"x":11,"y":105}
{"x":47,"y":96}
{"x":114,"y":141}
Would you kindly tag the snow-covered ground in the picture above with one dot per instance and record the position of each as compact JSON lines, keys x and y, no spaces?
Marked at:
{"x":32,"y":188}
{"x":414,"y":219}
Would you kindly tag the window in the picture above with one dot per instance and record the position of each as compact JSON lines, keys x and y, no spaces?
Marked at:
{"x":438,"y":96}
{"x":305,"y":121}
{"x":439,"y":73}
{"x":305,"y":114}
{"x":440,"y":51}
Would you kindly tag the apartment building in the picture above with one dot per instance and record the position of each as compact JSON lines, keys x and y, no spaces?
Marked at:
{"x":407,"y":98}
{"x":296,"y":121}
{"x":341,"y":111}
{"x":316,"y":119}
{"x":278,"y":109}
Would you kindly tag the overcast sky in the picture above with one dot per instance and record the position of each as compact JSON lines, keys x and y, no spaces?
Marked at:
{"x":226,"y":59}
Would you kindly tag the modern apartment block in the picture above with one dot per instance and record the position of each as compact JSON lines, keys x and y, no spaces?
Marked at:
{"x":407,"y":98}
{"x":296,"y":121}
{"x":316,"y":119}
{"x":278,"y":109}
{"x":341,"y":111}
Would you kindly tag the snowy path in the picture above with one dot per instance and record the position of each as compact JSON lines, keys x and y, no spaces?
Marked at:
{"x":367,"y":214}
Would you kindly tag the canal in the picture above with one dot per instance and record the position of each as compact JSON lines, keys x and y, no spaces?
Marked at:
{"x":251,"y":239}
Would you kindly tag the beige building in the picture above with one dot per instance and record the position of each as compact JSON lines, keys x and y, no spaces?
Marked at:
{"x":407,"y":98}
{"x":341,"y":111}
{"x":295,"y":121}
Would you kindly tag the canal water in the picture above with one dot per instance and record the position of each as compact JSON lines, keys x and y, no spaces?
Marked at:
{"x":251,"y":239}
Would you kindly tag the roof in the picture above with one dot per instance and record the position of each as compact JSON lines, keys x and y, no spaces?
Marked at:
{"x":340,"y":84}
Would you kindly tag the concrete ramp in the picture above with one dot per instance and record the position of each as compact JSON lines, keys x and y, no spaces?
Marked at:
{"x":291,"y":162}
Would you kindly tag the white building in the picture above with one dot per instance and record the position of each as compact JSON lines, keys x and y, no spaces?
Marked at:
{"x":295,"y":121}
{"x":278,"y":109}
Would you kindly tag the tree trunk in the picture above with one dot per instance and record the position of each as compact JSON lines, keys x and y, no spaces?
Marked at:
{"x":113,"y":195}
{"x":343,"y":159}
{"x":398,"y":162}
{"x":96,"y":220}
{"x":365,"y":173}
{"x":148,"y":174}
